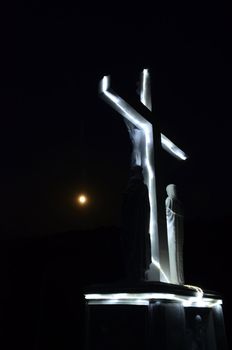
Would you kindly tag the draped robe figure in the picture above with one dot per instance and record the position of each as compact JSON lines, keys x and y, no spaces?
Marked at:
{"x":135,"y":222}
{"x":174,"y":215}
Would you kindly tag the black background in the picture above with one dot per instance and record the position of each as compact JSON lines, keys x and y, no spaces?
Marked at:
{"x":58,"y":139}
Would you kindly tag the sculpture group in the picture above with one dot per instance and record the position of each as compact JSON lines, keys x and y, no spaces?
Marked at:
{"x":152,"y":223}
{"x":140,"y":312}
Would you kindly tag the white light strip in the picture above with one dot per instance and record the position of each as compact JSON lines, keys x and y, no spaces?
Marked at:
{"x":145,"y":98}
{"x":165,"y":278}
{"x":140,"y":122}
{"x":119,"y":302}
{"x":145,"y":92}
{"x":122,"y":107}
{"x":138,"y":298}
{"x":170,"y":147}
{"x":129,"y":296}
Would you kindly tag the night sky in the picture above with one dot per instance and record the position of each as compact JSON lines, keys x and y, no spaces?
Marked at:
{"x":59,"y":139}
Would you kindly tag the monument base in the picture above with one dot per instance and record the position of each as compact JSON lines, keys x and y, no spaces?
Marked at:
{"x":153,"y":315}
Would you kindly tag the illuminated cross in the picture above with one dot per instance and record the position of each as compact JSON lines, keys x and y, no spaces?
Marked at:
{"x":147,"y":142}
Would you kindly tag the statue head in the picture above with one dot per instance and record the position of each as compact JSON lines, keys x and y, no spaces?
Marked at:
{"x":171,"y":191}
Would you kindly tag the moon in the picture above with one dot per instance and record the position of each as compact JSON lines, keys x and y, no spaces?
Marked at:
{"x":82,"y":199}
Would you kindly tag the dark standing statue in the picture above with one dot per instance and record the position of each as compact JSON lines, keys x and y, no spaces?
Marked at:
{"x":135,"y":222}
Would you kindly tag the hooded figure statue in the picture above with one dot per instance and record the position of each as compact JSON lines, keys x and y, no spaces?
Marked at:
{"x":135,"y":224}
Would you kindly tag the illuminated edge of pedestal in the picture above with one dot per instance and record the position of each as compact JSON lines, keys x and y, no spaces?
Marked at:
{"x":146,"y":298}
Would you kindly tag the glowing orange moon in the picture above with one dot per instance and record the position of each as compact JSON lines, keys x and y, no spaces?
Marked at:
{"x":82,"y":199}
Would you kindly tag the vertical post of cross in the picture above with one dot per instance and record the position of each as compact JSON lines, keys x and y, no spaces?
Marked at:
{"x":150,"y":153}
{"x":158,"y":228}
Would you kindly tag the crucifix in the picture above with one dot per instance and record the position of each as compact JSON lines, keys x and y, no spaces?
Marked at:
{"x":148,"y":143}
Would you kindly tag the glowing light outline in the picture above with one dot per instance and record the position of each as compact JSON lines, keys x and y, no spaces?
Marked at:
{"x":139,"y":302}
{"x":145,"y":98}
{"x":145,"y":92}
{"x":140,"y":122}
{"x":145,"y":298}
{"x":170,"y":147}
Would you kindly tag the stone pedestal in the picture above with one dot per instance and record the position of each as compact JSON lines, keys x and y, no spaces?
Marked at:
{"x":155,"y":316}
